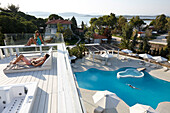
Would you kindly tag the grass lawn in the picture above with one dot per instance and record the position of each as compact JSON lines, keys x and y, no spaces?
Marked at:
{"x":117,"y":36}
{"x":71,"y":42}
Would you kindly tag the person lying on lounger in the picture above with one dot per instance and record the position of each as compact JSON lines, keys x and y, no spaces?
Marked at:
{"x":34,"y":61}
{"x":37,"y":40}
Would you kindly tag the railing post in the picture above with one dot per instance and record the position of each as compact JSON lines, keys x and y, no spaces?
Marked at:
{"x":6,"y":52}
{"x":1,"y":54}
{"x":11,"y":51}
{"x":17,"y":51}
{"x":41,"y":49}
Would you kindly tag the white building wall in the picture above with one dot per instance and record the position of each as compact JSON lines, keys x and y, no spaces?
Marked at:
{"x":52,"y":29}
{"x":97,"y":40}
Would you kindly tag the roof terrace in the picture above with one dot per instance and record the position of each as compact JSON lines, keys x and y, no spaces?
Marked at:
{"x":57,"y":87}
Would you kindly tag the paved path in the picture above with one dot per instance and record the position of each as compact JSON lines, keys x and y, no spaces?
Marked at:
{"x":160,"y":39}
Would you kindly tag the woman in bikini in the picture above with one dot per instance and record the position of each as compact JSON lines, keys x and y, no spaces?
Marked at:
{"x":35,"y":61}
{"x":37,"y":40}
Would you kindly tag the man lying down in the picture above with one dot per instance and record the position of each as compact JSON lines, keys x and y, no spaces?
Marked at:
{"x":34,"y":61}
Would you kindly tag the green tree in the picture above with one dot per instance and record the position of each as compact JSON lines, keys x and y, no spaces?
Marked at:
{"x":121,"y":22}
{"x":114,"y":31}
{"x":126,"y":34}
{"x":92,"y":28}
{"x":82,"y":25}
{"x":74,"y":24}
{"x":148,"y":33}
{"x":134,"y":42}
{"x":92,"y":20}
{"x":60,"y":28}
{"x":167,"y":53}
{"x":67,"y":34}
{"x":168,"y":41}
{"x":99,"y":22}
{"x":160,"y":23}
{"x":54,"y":16}
{"x":146,"y":46}
{"x":1,"y":39}
{"x":150,"y":52}
{"x":78,"y":51}
{"x":101,"y":31}
{"x":168,"y":24}
{"x":13,"y":8}
{"x":136,"y":22}
{"x":19,"y":22}
{"x":162,"y":52}
{"x":154,"y":52}
{"x":11,"y":25}
{"x":112,"y":20}
{"x":88,"y":35}
{"x":152,"y":23}
{"x":141,"y":46}
{"x":157,"y":52}
{"x":109,"y":20}
{"x":127,"y":31}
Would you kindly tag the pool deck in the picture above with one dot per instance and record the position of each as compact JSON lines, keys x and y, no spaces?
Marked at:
{"x":116,"y":63}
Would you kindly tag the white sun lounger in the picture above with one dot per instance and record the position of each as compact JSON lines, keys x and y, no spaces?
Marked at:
{"x":14,"y":68}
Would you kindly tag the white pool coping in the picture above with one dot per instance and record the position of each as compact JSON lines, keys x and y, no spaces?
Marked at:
{"x":124,"y":76}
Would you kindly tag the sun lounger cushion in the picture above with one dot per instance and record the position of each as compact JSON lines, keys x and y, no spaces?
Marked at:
{"x":49,"y":60}
{"x":22,"y":67}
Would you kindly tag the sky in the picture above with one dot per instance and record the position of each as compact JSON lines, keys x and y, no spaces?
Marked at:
{"x":102,"y":7}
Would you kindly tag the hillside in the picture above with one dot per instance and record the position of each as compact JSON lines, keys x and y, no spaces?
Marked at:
{"x":19,"y":22}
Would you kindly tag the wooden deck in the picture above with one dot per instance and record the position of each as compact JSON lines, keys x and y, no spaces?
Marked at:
{"x":46,"y":98}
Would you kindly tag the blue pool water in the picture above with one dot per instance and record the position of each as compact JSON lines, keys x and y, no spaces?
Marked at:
{"x":151,"y":90}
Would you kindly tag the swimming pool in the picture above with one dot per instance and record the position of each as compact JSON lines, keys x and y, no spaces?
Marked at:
{"x":151,"y":90}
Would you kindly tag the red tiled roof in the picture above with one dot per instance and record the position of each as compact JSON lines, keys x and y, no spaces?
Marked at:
{"x":96,"y":36}
{"x":58,"y":21}
{"x":140,"y":32}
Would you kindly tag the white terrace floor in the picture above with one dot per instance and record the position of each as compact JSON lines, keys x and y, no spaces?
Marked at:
{"x":46,"y":98}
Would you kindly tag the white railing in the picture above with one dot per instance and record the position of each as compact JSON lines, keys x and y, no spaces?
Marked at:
{"x":9,"y":50}
{"x":69,"y":98}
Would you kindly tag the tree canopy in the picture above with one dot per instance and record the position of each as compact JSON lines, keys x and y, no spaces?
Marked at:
{"x":120,"y":23}
{"x":14,"y":21}
{"x":74,"y":24}
{"x":13,"y":8}
{"x":54,"y":16}
{"x":168,"y":41}
{"x":106,"y":20}
{"x":136,"y":22}
{"x":67,"y":34}
{"x":126,"y":33}
{"x":160,"y":23}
